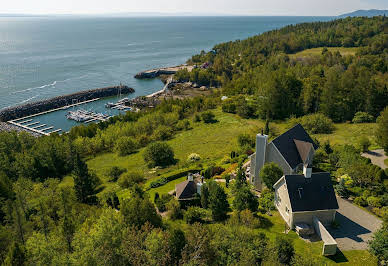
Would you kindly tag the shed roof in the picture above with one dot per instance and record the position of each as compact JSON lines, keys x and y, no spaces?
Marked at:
{"x":311,"y":194}
{"x":186,"y":190}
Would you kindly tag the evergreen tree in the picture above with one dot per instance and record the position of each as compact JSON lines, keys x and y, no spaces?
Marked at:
{"x":176,"y":243}
{"x":284,"y":250}
{"x":218,"y":202}
{"x":382,"y":129}
{"x":205,"y":196}
{"x":68,"y":226}
{"x":139,"y":210}
{"x":341,"y":189}
{"x":266,"y":128}
{"x":245,"y":199}
{"x":85,"y":183}
{"x":16,"y":255}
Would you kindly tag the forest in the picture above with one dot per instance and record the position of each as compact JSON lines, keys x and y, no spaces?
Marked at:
{"x":281,"y":85}
{"x":117,"y":217}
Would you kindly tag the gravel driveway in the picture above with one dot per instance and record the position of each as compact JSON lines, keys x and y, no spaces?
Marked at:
{"x":356,"y":226}
{"x":377,"y":157}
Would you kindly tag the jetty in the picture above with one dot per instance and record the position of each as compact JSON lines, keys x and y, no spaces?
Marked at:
{"x":153,"y":73}
{"x":169,"y":81}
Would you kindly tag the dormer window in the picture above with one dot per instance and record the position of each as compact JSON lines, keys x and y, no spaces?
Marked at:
{"x":300,"y":192}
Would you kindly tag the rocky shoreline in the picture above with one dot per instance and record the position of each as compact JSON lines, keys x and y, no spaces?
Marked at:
{"x":60,"y":101}
{"x":154,"y":73}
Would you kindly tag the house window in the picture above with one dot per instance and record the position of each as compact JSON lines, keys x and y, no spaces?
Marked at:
{"x":277,"y":198}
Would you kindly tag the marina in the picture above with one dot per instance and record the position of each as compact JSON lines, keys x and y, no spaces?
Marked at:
{"x":42,"y":123}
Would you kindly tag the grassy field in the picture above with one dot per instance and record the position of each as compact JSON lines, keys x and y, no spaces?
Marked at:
{"x":386,"y":162}
{"x":318,"y":51}
{"x":211,"y":141}
{"x":214,"y":141}
{"x":349,"y":134}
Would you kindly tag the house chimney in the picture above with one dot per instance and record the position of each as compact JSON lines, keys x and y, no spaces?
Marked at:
{"x":307,"y":171}
{"x":190,"y":177}
{"x":259,"y":159}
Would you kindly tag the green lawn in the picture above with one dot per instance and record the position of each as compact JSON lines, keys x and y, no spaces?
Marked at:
{"x":211,"y":141}
{"x":214,"y":141}
{"x":318,"y":51}
{"x":386,"y":162}
{"x":349,"y":134}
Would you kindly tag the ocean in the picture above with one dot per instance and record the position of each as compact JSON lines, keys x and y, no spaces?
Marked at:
{"x":44,"y":57}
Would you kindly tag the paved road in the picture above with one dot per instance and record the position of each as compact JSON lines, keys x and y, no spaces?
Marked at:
{"x":377,"y":157}
{"x":356,"y":226}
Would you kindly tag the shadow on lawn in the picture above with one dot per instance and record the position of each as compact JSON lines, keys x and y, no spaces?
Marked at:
{"x":265,"y":223}
{"x":339,"y":257}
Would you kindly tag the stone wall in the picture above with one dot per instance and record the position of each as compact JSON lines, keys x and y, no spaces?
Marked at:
{"x":60,"y":101}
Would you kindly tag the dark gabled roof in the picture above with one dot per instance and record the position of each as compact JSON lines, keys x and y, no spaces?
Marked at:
{"x":285,"y":143}
{"x":186,"y":190}
{"x":311,"y":194}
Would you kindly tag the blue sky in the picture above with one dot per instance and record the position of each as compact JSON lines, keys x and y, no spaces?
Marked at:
{"x":232,"y":7}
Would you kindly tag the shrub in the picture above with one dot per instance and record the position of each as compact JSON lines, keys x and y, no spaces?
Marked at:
{"x":381,"y":212}
{"x":172,"y":176}
{"x":246,"y":140}
{"x":270,"y":174}
{"x":266,"y":200}
{"x":175,"y":211}
{"x":192,"y":158}
{"x":208,"y":117}
{"x":361,"y":201}
{"x":159,"y":154}
{"x":183,"y":125}
{"x":212,"y":171}
{"x":197,"y":118}
{"x":127,"y":180}
{"x":248,"y":219}
{"x":363,"y":143}
{"x":163,"y":133}
{"x":374,"y":202}
{"x":245,"y":199}
{"x":114,"y":173}
{"x":341,"y":189}
{"x":378,"y":246}
{"x":284,"y":250}
{"x":314,"y":123}
{"x":125,"y":146}
{"x":229,"y":106}
{"x":195,"y":215}
{"x":362,"y":117}
{"x":162,"y":201}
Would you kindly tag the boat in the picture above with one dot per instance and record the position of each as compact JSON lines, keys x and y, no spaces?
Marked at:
{"x":109,"y":105}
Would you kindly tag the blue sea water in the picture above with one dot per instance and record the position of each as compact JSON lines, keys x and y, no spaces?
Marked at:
{"x":43,"y":57}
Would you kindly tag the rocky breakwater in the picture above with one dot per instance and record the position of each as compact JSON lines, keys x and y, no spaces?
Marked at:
{"x":61,"y":101}
{"x":154,"y":73}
